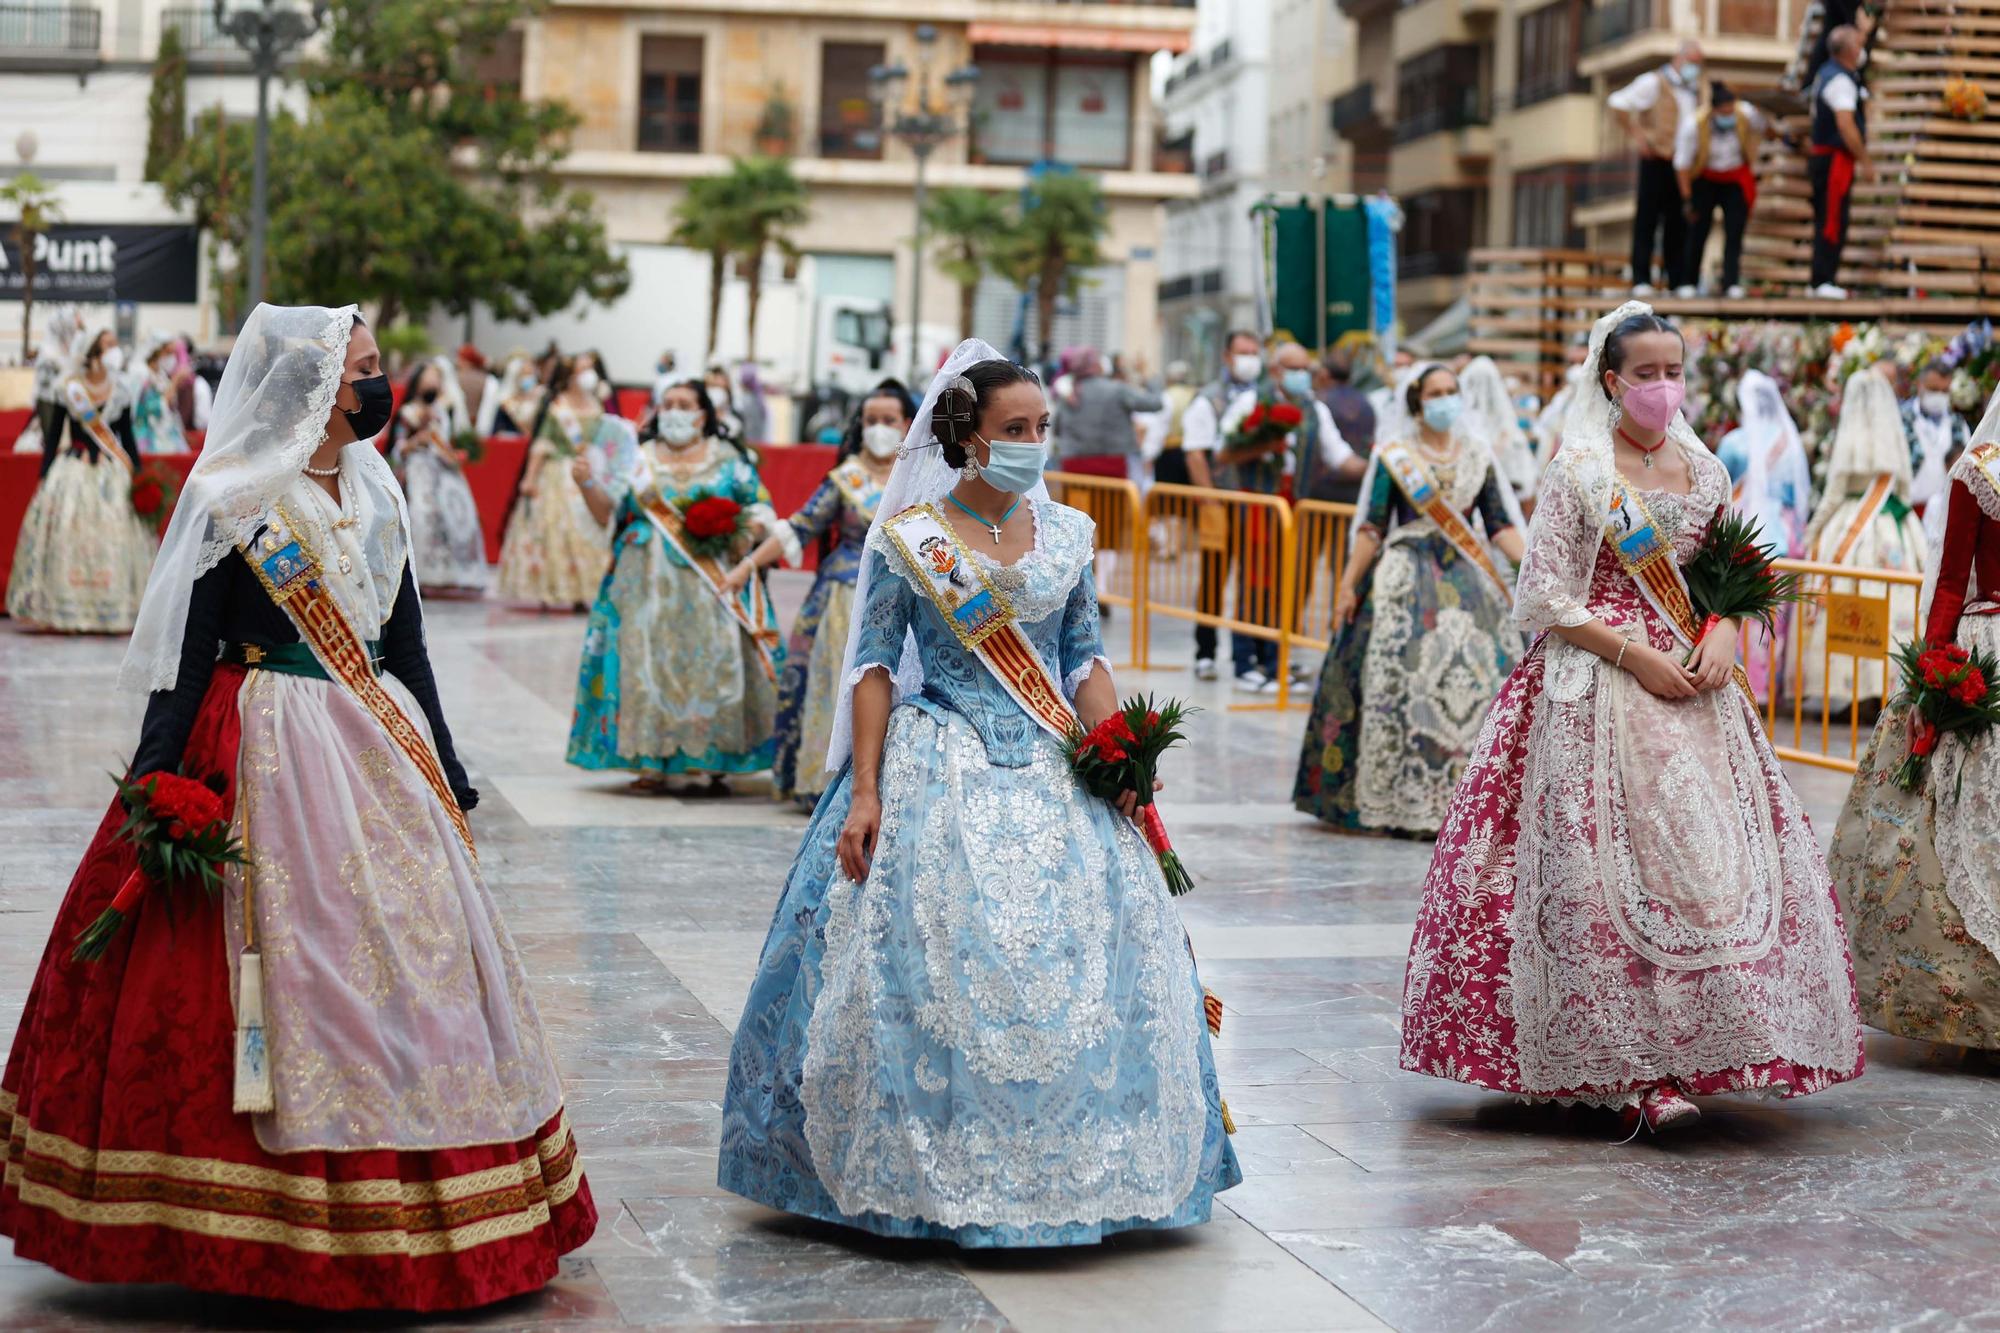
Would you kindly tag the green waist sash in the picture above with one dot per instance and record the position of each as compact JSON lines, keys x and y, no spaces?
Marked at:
{"x":289,"y":659}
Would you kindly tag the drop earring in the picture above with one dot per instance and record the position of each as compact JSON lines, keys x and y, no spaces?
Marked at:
{"x":970,"y":468}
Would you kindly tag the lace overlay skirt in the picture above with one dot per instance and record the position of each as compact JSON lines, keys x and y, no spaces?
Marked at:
{"x":1919,"y":880}
{"x":554,"y":555}
{"x":810,"y":692}
{"x":997,"y":1039}
{"x":447,"y":545}
{"x":81,"y":561}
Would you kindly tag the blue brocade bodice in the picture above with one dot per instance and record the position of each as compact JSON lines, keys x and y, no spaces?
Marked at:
{"x":1054,"y":596}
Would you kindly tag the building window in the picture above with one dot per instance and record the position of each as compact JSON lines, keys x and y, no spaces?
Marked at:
{"x":499,"y":66}
{"x":1542,"y":201}
{"x":1439,"y":90}
{"x":670,"y":94}
{"x":1548,"y":49}
{"x":1052,"y":105}
{"x":1440,"y":227}
{"x":848,"y":125}
{"x":1753,"y":18}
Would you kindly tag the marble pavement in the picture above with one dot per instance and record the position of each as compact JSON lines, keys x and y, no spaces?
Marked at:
{"x":1374,"y":1198}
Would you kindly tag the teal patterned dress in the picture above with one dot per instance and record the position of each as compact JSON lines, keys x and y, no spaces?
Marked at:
{"x":670,"y":681}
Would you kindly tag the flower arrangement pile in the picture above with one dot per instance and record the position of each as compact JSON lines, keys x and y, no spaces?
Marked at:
{"x":1964,"y":99}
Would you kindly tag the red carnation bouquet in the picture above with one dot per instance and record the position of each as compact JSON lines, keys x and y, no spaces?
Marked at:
{"x":712,"y":522}
{"x":1269,"y":422}
{"x":1121,"y":754}
{"x":1731,"y":576}
{"x":1945,"y":689}
{"x":154,"y":491}
{"x":183,"y":839}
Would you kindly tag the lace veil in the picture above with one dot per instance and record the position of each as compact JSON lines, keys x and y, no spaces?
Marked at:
{"x":1585,"y":460}
{"x":920,"y":476}
{"x":1765,"y":426}
{"x":1492,"y":409}
{"x":1396,"y":423}
{"x":1867,"y":443}
{"x":270,"y":415}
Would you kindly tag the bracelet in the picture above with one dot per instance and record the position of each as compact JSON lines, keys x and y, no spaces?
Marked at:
{"x":1619,"y":660}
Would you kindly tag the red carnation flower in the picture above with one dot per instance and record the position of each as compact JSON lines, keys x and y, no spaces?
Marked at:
{"x":1955,"y":653}
{"x":1286,"y":414}
{"x":713,"y":516}
{"x":1255,"y":419}
{"x":147,"y":497}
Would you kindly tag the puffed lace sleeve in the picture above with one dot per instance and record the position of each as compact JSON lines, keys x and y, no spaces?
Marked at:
{"x":885,"y":618}
{"x":1082,"y":642}
{"x":1553,"y":586}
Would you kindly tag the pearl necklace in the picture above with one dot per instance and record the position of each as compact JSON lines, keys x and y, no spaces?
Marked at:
{"x":312,"y":471}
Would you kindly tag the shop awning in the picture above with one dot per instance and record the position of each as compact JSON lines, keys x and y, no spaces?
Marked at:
{"x":1077,"y":37}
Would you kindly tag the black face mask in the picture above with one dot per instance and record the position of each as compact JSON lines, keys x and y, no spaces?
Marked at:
{"x":429,"y":395}
{"x":377,"y":405}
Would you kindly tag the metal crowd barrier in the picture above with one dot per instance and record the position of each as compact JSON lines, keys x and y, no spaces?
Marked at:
{"x":1256,"y":565}
{"x":1865,"y":618}
{"x":1113,"y":502}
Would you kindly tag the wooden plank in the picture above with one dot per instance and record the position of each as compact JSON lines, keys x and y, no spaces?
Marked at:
{"x":1952,"y":194}
{"x":1926,"y":170}
{"x":1971,"y":216}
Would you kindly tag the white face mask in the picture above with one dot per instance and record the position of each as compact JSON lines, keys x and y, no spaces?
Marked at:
{"x":679,"y":425}
{"x":112,"y":359}
{"x":1934,"y":402}
{"x":720,"y":397}
{"x":586,"y":380}
{"x":881,"y":440}
{"x":1244,"y":368}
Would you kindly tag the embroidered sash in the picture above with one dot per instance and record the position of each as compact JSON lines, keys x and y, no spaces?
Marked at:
{"x":288,"y":567}
{"x":1648,"y":558}
{"x":1983,"y":460}
{"x":1871,"y":505}
{"x":747,"y":608}
{"x":978,"y":614}
{"x":91,"y":418}
{"x":1417,"y":485}
{"x":857,"y":488}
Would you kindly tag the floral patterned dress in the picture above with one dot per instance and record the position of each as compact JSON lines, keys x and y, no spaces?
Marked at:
{"x":1919,"y":871}
{"x":1406,"y":685}
{"x":554,"y":553}
{"x":670,"y":681}
{"x":844,"y":505}
{"x":997,"y":1038}
{"x":1626,"y":892}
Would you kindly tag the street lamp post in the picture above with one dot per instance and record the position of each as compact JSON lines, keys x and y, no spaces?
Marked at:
{"x":269,"y":34}
{"x":922,"y":122}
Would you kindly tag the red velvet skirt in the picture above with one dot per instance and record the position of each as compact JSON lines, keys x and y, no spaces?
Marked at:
{"x":125,"y":1162}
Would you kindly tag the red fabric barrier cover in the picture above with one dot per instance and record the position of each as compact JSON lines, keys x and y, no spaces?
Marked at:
{"x":789,"y":471}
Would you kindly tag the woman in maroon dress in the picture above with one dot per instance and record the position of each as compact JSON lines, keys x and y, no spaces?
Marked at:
{"x":1627,"y":906}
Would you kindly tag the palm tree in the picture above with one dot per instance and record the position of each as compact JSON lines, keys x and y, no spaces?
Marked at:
{"x":705,"y":220}
{"x":36,"y":209}
{"x":969,"y":227}
{"x":1059,"y":234}
{"x":771,"y":202}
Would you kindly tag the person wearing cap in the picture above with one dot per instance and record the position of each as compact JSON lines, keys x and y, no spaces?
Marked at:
{"x":1715,"y":155}
{"x":480,"y":388}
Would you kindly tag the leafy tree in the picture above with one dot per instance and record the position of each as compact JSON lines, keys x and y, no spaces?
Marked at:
{"x":166,"y":105}
{"x":1060,"y":234}
{"x":363,"y":207}
{"x":968,"y":227}
{"x":36,"y":208}
{"x":741,"y":214}
{"x":773,"y":203}
{"x":705,"y":220}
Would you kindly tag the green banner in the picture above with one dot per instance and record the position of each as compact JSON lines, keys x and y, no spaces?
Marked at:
{"x":1319,"y":271}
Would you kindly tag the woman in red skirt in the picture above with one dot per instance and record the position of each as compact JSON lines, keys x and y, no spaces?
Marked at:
{"x":402,"y":1142}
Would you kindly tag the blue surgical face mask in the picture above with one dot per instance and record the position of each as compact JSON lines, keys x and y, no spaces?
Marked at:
{"x":1013,"y":467}
{"x":1691,"y":73}
{"x":1298,"y":383}
{"x":1441,"y":414}
{"x":1725,"y":122}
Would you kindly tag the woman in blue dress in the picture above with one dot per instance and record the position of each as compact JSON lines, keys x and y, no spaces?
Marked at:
{"x":679,"y":672}
{"x":976,"y":1017}
{"x":837,"y":516}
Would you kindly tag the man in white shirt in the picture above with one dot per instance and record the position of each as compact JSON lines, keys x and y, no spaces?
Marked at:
{"x":1715,"y":156}
{"x":1653,"y":108}
{"x":1839,"y":153}
{"x":1201,"y":439}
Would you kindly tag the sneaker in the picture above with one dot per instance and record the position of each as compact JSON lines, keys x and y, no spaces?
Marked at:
{"x":1269,"y":687}
{"x":1827,"y":291}
{"x":1204,"y":668}
{"x":1642,"y":289}
{"x":1301,"y":675}
{"x":1687,"y":291}
{"x":1736,"y":292}
{"x":1252,"y":681}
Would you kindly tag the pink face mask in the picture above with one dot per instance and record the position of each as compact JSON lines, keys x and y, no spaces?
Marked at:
{"x":1652,"y":405}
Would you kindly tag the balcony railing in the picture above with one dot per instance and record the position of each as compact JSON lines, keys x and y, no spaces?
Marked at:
{"x":1614,"y":21}
{"x":1355,"y":109}
{"x":1461,"y":110}
{"x":1433,"y":264}
{"x":197,"y":29}
{"x":1549,"y":88}
{"x":50,"y":36}
{"x":1216,"y":164}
